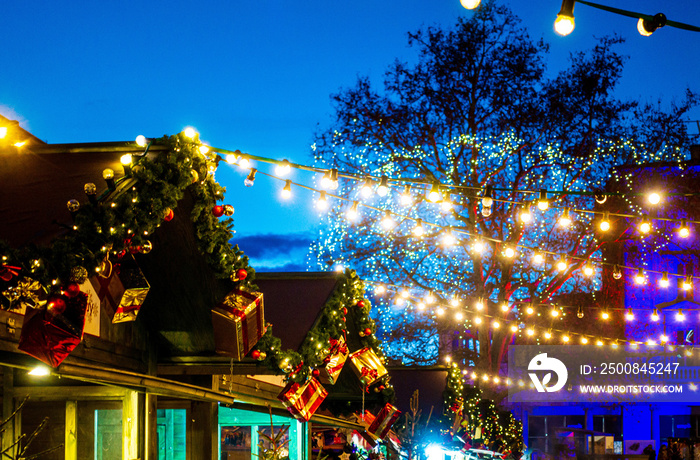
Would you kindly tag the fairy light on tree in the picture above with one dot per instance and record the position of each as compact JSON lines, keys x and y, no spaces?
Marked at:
{"x":411,"y":132}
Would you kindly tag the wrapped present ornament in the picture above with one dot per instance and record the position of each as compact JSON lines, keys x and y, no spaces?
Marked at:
{"x":239,"y":322}
{"x":52,"y":332}
{"x":334,"y":362}
{"x":457,"y":406}
{"x":303,"y":399}
{"x":367,"y":366}
{"x":121,"y":288}
{"x":383,"y":422}
{"x":27,"y":293}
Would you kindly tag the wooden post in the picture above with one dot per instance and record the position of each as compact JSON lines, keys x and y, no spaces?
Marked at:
{"x":8,"y":406}
{"x":203,"y":427}
{"x":130,"y":426}
{"x":151,"y":427}
{"x":71,"y":441}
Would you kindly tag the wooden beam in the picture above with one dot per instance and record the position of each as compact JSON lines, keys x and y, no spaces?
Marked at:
{"x":79,"y":393}
{"x":151,"y":427}
{"x":71,"y":443}
{"x":130,"y":426}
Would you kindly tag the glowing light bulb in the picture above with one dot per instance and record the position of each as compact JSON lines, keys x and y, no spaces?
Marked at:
{"x":543,"y":202}
{"x":554,"y":312}
{"x":684,"y":230}
{"x":514,"y":328}
{"x":584,"y":340}
{"x":353,"y":214}
{"x":530,"y":332}
{"x":446,"y":204}
{"x":406,"y":197}
{"x":664,"y":281}
{"x":418,"y":231}
{"x":203,"y":149}
{"x":588,"y":269}
{"x":231,"y":158}
{"x":383,"y":187}
{"x":287,"y":190}
{"x":141,"y":140}
{"x":496,"y":324}
{"x":663,"y":338}
{"x":405,"y":294}
{"x":604,"y":224}
{"x":599,"y":343}
{"x":244,"y":163}
{"x":562,"y":265}
{"x":605,"y":314}
{"x":448,"y":239}
{"x":477,"y":320}
{"x":434,"y":193}
{"x":479,"y":305}
{"x":565,"y":338}
{"x":478,"y":246}
{"x":366,"y":189}
{"x":509,"y":252}
{"x":379,"y":289}
{"x":655,"y":315}
{"x":440,"y":311}
{"x":629,"y":316}
{"x":505,"y":307}
{"x":322,"y":202}
{"x":470,"y":4}
{"x":687,"y":283}
{"x":529,"y":310}
{"x":565,"y":219}
{"x":579,"y":312}
{"x":326,"y":180}
{"x":459,"y":316}
{"x":564,"y":24}
{"x":430,"y":298}
{"x":537,"y":258}
{"x":547,"y":335}
{"x":126,"y":159}
{"x":645,"y":225}
{"x":639,"y":278}
{"x":526,"y":215}
{"x":190,"y":132}
{"x":654,"y":198}
{"x":39,"y":371}
{"x":3,"y":132}
{"x":388,"y":221}
{"x":283,"y":168}
{"x":680,"y":316}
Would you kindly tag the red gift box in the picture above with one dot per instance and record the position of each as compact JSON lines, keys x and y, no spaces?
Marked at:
{"x":239,"y":322}
{"x":303,"y":399}
{"x":384,"y":420}
{"x":122,"y":289}
{"x":51,"y":334}
{"x":334,"y":362}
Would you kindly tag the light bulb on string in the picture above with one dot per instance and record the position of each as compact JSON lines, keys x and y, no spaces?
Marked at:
{"x":617,"y":273}
{"x":514,"y":328}
{"x":529,"y":310}
{"x":487,"y":201}
{"x":687,"y":283}
{"x":664,"y":281}
{"x":478,"y":246}
{"x":562,"y":265}
{"x":418,"y":231}
{"x":588,"y":269}
{"x":366,"y":189}
{"x":470,"y":4}
{"x":509,"y":252}
{"x":333,"y":180}
{"x":479,"y":305}
{"x":244,"y":163}
{"x":405,"y":294}
{"x":383,"y":187}
{"x":548,"y":335}
{"x":429,"y":298}
{"x":537,"y":258}
{"x":629,"y":316}
{"x":605,"y":315}
{"x":326,"y":180}
{"x":459,"y":316}
{"x":663,"y":338}
{"x":283,"y":168}
{"x":564,"y":23}
{"x":448,"y":239}
{"x":684,"y":230}
{"x":655,"y":315}
{"x":495,"y":324}
{"x":645,"y":225}
{"x":584,"y":340}
{"x":526,"y":214}
{"x":579,"y":312}
{"x":322,"y":202}
{"x":565,"y":218}
{"x":379,"y":289}
{"x":604,"y":224}
{"x":680,"y":316}
{"x":434,"y":193}
{"x":286,"y":192}
{"x":640,"y":278}
{"x":454,"y":302}
{"x":554,"y":312}
{"x":530,"y":332}
{"x":250,"y":179}
{"x":352,"y":213}
{"x":189,"y":132}
{"x":565,"y":338}
{"x":446,"y":204}
{"x":406,"y":197}
{"x":543,"y":202}
{"x":388,"y":221}
{"x":654,"y":198}
{"x":504,"y":307}
{"x":141,"y":140}
{"x":231,"y":158}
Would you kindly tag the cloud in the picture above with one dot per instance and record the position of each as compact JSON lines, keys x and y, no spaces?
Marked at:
{"x":274,"y":245}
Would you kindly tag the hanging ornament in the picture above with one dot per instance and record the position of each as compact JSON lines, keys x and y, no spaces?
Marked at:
{"x":579,"y":313}
{"x":255,"y":354}
{"x":146,"y":247}
{"x":315,"y":373}
{"x":72,"y":289}
{"x":73,"y":206}
{"x":239,"y":275}
{"x":78,"y":274}
{"x":217,"y":211}
{"x":345,"y":311}
{"x":360,"y":303}
{"x":56,"y":304}
{"x":195,"y":176}
{"x":169,"y":214}
{"x":228,"y":210}
{"x":367,"y":331}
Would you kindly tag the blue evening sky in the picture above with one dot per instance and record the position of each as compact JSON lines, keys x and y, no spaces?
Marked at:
{"x":257,"y":76}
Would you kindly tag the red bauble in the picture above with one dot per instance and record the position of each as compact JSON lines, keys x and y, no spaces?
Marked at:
{"x":345,"y":311}
{"x":56,"y":305}
{"x":361,"y":303}
{"x":242,"y":273}
{"x":217,"y":210}
{"x":255,"y":354}
{"x":315,"y":373}
{"x":169,"y":214}
{"x":73,"y":289}
{"x":368,"y":331}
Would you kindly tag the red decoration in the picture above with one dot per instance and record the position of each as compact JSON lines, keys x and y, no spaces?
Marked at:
{"x":302,"y":399}
{"x":315,"y":373}
{"x":255,"y":354}
{"x":334,"y":362}
{"x":368,"y":331}
{"x":242,"y":273}
{"x":345,"y":311}
{"x":382,"y":423}
{"x":8,"y":271}
{"x":361,"y":303}
{"x":56,"y":304}
{"x":73,"y":289}
{"x":169,"y":214}
{"x":217,"y":210}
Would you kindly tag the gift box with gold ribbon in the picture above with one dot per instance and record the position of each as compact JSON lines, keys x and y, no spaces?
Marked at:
{"x":368,"y":366}
{"x":384,"y":420}
{"x":334,"y":362}
{"x":26,"y":293}
{"x":239,"y":322}
{"x":303,"y":399}
{"x":122,"y":288}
